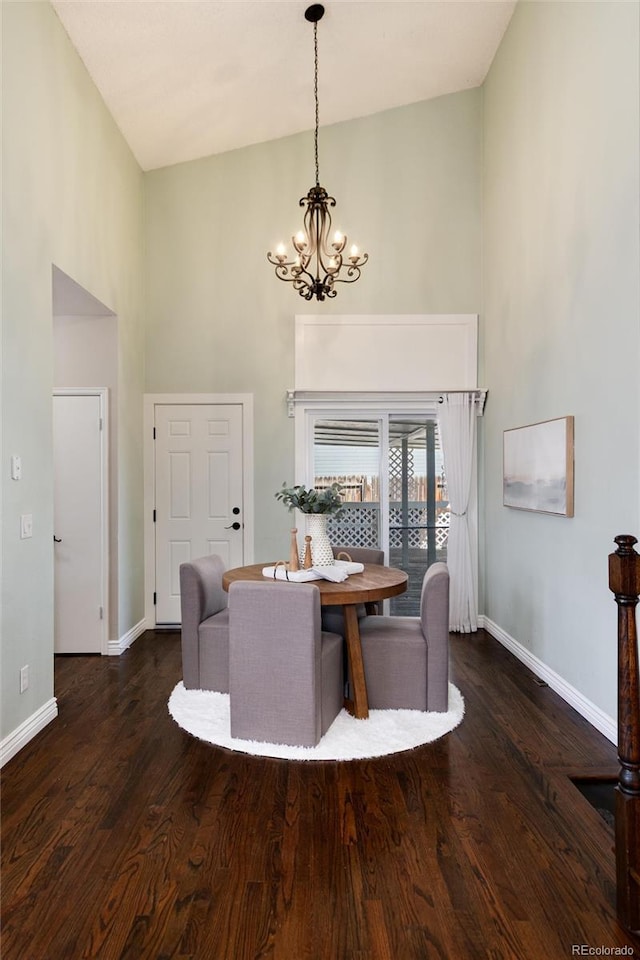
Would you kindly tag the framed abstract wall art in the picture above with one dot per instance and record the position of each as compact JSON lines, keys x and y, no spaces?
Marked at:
{"x":538,"y":467}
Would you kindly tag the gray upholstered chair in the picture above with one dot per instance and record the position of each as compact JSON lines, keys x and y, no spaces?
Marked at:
{"x":205,"y":625}
{"x":333,"y":617}
{"x":361,"y":554}
{"x":406,"y":659}
{"x":285,"y":673}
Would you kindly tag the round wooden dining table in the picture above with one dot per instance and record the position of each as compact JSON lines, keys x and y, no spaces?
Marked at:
{"x":374,"y":583}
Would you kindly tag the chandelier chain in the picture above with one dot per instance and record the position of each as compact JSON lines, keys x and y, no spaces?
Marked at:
{"x":315,"y":93}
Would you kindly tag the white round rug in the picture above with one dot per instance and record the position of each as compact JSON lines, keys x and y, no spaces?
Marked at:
{"x":205,"y":714}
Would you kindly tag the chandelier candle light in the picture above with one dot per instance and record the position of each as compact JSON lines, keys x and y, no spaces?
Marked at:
{"x":314,"y":250}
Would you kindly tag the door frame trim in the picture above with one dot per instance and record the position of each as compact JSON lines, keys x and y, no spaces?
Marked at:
{"x":103,"y":396}
{"x":151,"y":400}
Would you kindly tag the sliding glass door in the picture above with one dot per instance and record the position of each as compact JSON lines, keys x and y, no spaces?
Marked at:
{"x":394,"y":491}
{"x":418,"y":508}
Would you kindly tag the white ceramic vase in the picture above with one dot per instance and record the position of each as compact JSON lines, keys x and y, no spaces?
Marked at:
{"x":316,"y":528}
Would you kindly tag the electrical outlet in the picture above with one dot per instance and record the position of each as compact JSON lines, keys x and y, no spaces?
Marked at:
{"x":24,"y":678}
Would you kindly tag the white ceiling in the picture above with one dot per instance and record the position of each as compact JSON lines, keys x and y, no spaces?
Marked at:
{"x":188,"y":78}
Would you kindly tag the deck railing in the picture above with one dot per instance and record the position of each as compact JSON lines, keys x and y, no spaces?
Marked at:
{"x":358,"y":525}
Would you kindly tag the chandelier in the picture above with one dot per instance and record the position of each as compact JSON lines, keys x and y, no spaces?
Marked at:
{"x":318,"y":259}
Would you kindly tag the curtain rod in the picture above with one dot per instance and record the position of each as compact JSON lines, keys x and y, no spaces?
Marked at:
{"x":380,"y":397}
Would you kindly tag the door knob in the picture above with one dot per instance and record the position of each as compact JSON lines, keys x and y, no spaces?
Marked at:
{"x":234,"y":526}
{"x":57,"y":539}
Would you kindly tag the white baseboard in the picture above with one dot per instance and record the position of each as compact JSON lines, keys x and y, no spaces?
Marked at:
{"x":607,"y":726}
{"x":28,"y":730}
{"x":116,"y":647}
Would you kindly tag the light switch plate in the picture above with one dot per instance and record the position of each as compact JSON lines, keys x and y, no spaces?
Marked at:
{"x":26,"y":526}
{"x":16,"y":467}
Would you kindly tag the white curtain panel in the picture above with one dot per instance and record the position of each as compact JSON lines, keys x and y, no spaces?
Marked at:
{"x":457,"y":421}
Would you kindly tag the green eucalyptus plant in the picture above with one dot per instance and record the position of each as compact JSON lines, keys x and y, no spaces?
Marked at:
{"x":326,"y":501}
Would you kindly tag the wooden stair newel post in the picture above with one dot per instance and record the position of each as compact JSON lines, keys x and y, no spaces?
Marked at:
{"x":624,"y":582}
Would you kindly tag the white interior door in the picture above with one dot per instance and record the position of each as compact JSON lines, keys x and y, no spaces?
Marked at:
{"x":198,"y":493}
{"x":79,"y":524}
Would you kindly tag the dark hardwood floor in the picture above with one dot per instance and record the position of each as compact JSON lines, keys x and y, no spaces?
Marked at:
{"x":124,"y":838}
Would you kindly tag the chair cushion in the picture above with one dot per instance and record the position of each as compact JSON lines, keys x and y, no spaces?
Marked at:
{"x":394,"y":652}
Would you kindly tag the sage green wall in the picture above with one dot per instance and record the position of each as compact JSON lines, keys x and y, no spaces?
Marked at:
{"x":560,"y":325}
{"x":72,"y":196}
{"x":407,"y":185}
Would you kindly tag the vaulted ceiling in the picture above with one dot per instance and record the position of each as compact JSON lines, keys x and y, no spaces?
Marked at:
{"x":188,"y":78}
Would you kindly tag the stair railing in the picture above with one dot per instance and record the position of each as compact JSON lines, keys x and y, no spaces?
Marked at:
{"x":624,"y":582}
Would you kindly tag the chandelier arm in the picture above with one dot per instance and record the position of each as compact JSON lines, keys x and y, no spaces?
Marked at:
{"x":303,"y":289}
{"x":353,"y":274}
{"x":280,"y":262}
{"x":296,"y":275}
{"x":310,"y":230}
{"x":282,"y":272}
{"x":307,"y":278}
{"x":322,"y":223}
{"x":324,"y":249}
{"x":302,"y":285}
